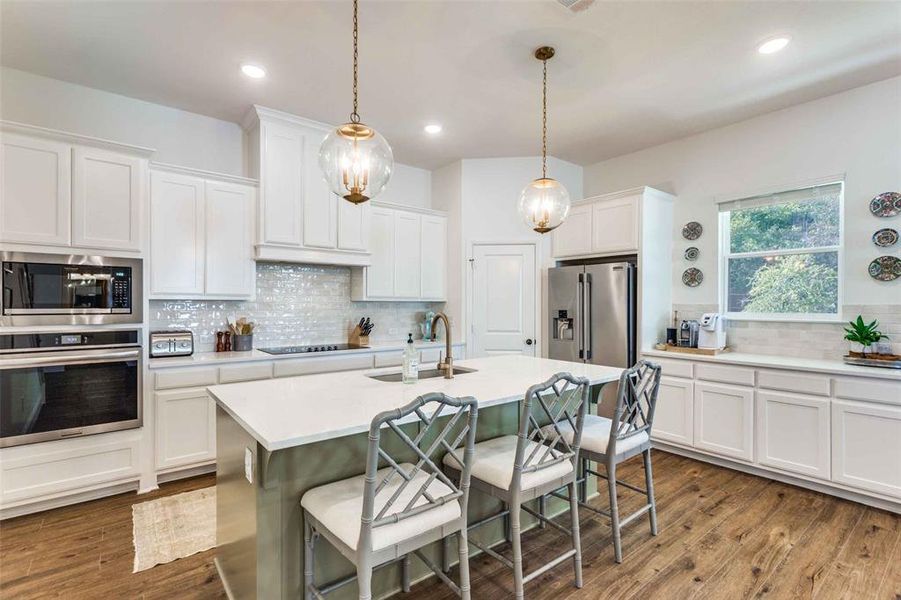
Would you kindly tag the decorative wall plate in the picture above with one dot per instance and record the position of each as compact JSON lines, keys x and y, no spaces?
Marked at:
{"x":885,"y":237}
{"x":883,"y":268}
{"x":692,"y":253}
{"x":887,"y":204}
{"x":692,"y":230}
{"x":692,"y":277}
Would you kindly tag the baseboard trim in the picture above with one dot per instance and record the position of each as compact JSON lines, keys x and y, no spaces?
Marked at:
{"x":76,"y":498}
{"x":822,"y":487}
{"x":168,"y":476}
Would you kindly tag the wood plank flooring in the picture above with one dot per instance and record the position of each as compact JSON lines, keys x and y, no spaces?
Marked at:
{"x":723,"y":535}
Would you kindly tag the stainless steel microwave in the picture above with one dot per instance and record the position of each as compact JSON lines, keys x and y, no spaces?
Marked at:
{"x":59,"y":289}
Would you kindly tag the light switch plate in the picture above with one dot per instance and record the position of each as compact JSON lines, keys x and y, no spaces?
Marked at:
{"x":248,"y":464}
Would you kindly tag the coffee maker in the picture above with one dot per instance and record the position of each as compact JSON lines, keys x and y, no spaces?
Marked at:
{"x":712,"y":334}
{"x":688,"y":334}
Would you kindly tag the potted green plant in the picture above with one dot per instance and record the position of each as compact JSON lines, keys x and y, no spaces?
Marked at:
{"x":863,"y":335}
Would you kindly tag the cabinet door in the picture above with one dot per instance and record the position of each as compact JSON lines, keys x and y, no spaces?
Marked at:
{"x":614,"y":225}
{"x":380,"y":273}
{"x":434,"y":257}
{"x":573,"y":237}
{"x":108,"y":191}
{"x":176,"y":234}
{"x":793,"y":433}
{"x":353,"y":226}
{"x":674,"y":414}
{"x":185,"y":428}
{"x":35,"y":190}
{"x":320,"y":205}
{"x":407,"y":255}
{"x":866,"y":446}
{"x":282,"y":165}
{"x":724,"y":420}
{"x":229,"y":240}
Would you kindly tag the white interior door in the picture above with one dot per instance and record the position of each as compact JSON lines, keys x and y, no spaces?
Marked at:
{"x":503,"y":299}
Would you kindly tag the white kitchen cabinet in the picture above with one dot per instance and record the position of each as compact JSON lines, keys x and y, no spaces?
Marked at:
{"x":230,"y":269}
{"x":177,"y":251}
{"x":185,"y":428}
{"x":201,"y":236}
{"x":282,"y":166}
{"x":353,"y":226}
{"x":35,"y":198}
{"x":107,"y":196}
{"x":615,"y":225}
{"x":320,"y":205}
{"x":573,"y":236}
{"x":866,"y":446}
{"x":409,"y":256}
{"x":434,"y":257}
{"x":674,"y":413}
{"x":408,"y":259}
{"x":724,"y":420}
{"x":793,"y":433}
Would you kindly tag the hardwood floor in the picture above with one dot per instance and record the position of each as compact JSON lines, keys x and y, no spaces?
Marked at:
{"x":723,"y":534}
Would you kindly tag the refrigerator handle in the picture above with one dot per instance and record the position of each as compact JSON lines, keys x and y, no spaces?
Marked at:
{"x":589,"y":319}
{"x":630,"y":282}
{"x":580,"y":314}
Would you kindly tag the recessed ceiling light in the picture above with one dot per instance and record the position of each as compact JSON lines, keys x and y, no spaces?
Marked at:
{"x":253,"y":71}
{"x":774,"y":45}
{"x":433,"y":128}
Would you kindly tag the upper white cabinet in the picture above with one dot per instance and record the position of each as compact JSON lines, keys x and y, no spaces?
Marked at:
{"x":67,"y":190}
{"x":201,"y":236}
{"x":573,"y":236}
{"x":409,"y":256}
{"x":614,"y":225}
{"x":609,"y":224}
{"x":107,"y":195}
{"x":300,"y":219}
{"x":35,"y":199}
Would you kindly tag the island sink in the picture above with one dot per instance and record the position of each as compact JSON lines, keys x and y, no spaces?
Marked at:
{"x":423,"y":374}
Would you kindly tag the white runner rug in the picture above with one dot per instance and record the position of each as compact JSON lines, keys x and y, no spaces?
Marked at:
{"x":173,"y":527}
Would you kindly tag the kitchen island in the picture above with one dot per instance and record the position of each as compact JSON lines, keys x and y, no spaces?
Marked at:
{"x":278,"y":438}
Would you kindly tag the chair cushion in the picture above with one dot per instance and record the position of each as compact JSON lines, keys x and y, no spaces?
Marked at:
{"x":596,"y":434}
{"x":493,"y":464}
{"x":339,"y":508}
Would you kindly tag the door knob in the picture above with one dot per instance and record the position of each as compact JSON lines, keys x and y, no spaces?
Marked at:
{"x":529,"y":342}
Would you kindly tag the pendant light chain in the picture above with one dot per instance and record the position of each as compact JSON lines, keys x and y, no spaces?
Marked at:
{"x":544,"y":123}
{"x":354,"y":117}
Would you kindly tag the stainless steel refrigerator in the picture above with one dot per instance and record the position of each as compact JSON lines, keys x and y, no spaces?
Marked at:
{"x":592,"y":315}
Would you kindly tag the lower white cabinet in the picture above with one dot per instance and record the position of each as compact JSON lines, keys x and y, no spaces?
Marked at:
{"x":724,"y":420}
{"x":185,"y":428}
{"x":674,"y":413}
{"x":866,"y":446}
{"x":793,"y":433}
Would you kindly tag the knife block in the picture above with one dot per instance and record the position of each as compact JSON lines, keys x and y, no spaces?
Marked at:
{"x":357,"y":337}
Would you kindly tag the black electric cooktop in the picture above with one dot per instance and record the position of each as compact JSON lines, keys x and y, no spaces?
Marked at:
{"x":313,"y":348}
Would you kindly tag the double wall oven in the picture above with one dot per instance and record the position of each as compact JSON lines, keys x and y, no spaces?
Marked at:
{"x":85,"y":379}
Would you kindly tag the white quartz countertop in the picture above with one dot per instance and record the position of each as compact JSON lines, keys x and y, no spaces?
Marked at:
{"x":834,"y":367}
{"x":220,"y":358}
{"x":292,"y":411}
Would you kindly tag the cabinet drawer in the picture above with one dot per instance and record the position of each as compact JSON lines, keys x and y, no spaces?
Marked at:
{"x":233,"y":373}
{"x":791,"y":381}
{"x":725,"y":374}
{"x":182,"y":378}
{"x":323,"y":364}
{"x":887,"y":392}
{"x":395,"y":358}
{"x":673,"y":367}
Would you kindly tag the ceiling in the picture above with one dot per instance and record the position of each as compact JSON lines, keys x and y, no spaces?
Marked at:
{"x":627,"y":75}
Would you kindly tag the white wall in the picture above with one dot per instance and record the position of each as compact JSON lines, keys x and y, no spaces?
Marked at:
{"x":857,"y":133}
{"x":409,"y":185}
{"x":179,"y":137}
{"x":447,"y":183}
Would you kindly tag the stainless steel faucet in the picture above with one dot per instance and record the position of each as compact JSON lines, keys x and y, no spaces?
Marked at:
{"x":446,"y":364}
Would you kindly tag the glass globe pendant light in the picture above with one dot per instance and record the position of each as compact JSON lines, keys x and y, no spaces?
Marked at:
{"x":544,"y":203}
{"x":356,"y":160}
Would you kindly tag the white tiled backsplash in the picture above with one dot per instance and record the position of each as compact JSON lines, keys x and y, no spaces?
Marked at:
{"x":806,"y":340}
{"x":295,"y":304}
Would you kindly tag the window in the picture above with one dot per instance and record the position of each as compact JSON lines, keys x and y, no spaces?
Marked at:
{"x":781,"y":255}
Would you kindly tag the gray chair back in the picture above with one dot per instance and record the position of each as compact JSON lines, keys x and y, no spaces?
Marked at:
{"x":636,"y":402}
{"x":429,"y":447}
{"x":561,"y":399}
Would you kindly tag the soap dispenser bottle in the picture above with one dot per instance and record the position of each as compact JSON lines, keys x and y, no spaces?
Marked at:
{"x":411,"y":361}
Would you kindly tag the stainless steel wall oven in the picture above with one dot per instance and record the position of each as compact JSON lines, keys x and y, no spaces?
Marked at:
{"x":60,"y":385}
{"x":59,"y":289}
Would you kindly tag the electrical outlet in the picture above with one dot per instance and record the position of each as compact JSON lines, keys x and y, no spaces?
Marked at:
{"x":248,"y":464}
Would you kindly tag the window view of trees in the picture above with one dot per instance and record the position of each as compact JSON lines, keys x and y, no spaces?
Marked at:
{"x":767,"y":274}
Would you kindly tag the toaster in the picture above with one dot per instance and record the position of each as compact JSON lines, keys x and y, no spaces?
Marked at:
{"x":172,"y":342}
